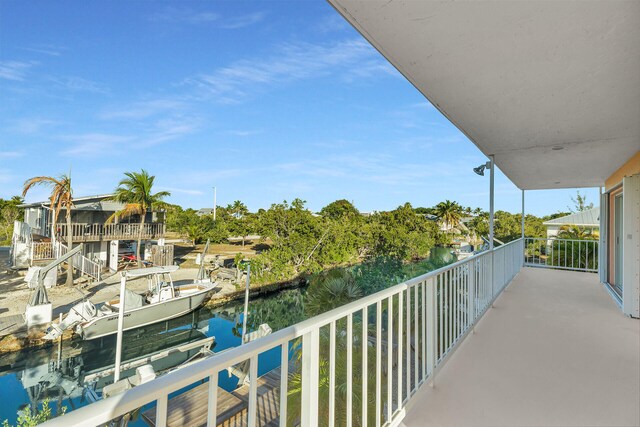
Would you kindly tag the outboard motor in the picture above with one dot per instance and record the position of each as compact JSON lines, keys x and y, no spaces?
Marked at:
{"x":80,"y":312}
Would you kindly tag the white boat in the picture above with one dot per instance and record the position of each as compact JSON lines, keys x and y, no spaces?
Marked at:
{"x":162,"y":301}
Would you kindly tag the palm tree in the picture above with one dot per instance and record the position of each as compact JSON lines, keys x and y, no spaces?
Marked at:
{"x":61,"y":197}
{"x":573,"y":247}
{"x":450,"y":213}
{"x":237,"y":209}
{"x":135,"y":192}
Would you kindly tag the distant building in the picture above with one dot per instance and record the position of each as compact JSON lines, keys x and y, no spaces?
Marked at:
{"x":101,"y":241}
{"x":204,"y":211}
{"x":588,"y":219}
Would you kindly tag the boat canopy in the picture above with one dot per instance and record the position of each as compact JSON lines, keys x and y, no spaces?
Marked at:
{"x":140,"y":272}
{"x":132,"y":300}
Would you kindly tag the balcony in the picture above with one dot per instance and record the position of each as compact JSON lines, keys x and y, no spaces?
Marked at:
{"x":502,"y":343}
{"x":85,"y":232}
{"x":554,"y":350}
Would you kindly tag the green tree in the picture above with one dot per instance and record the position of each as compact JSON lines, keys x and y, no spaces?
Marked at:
{"x":449,"y":213}
{"x":403,"y":234}
{"x":237,"y":209}
{"x":580,"y":203}
{"x":61,"y":197}
{"x":135,"y":191}
{"x":340,"y":209}
{"x":27,"y":419}
{"x":9,"y":213}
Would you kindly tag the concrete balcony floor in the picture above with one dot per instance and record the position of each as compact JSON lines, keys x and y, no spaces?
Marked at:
{"x":555,"y":351}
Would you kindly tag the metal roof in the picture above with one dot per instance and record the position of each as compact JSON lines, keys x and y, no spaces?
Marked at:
{"x":551,"y":89}
{"x":75,"y":199}
{"x":590,"y":217}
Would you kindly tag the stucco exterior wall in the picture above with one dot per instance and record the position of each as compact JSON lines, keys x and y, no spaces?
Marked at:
{"x":631,"y":167}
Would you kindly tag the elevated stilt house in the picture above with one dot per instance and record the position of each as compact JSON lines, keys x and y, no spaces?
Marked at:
{"x":36,"y":238}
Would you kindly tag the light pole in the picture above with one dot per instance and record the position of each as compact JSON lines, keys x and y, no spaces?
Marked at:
{"x":523,"y":215}
{"x":480,"y":171}
{"x":214,"y":203}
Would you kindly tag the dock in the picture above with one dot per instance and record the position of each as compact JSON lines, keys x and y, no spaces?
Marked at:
{"x":190,"y":407}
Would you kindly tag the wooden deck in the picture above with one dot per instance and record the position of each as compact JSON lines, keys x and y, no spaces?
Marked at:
{"x":190,"y":408}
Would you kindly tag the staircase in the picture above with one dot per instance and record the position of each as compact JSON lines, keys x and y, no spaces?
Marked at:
{"x":25,"y":252}
{"x":86,"y":266}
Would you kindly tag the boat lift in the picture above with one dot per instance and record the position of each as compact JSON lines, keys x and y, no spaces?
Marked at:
{"x":39,"y":309}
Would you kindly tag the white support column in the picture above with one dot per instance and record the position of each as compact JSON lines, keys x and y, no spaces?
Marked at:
{"x":491,"y":197}
{"x":491,"y":221}
{"x":522,"y":214}
{"x":310,"y":373}
{"x":123,"y":282}
{"x":431,"y":328}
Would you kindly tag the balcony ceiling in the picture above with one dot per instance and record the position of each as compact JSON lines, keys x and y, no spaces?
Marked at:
{"x":522,"y":78}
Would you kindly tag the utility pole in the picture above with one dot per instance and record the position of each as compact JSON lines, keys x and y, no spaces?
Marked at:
{"x":214,"y":203}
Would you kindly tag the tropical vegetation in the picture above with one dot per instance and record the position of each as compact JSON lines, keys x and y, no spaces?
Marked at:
{"x":61,"y":196}
{"x":135,"y":191}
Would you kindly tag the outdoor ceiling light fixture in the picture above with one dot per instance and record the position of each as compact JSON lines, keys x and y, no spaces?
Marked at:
{"x":480,"y":169}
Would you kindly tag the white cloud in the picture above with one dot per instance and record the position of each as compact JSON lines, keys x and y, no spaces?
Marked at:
{"x":241,"y":21}
{"x":15,"y":70}
{"x":46,"y":49}
{"x":243,"y":133}
{"x":11,"y":154}
{"x":144,"y":109}
{"x":105,"y":144}
{"x":331,"y":24}
{"x":189,"y":192}
{"x":31,"y":125}
{"x":351,"y":60}
{"x":173,"y":14}
{"x":95,"y":144}
{"x":190,"y":16}
{"x":78,"y":84}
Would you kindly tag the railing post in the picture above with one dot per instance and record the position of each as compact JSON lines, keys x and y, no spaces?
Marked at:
{"x":493,"y":274}
{"x":431,"y":328}
{"x":471,"y":303}
{"x":310,"y":367}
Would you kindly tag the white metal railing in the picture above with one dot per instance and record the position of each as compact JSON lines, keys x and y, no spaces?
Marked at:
{"x":410,"y":330}
{"x":565,"y":254}
{"x":42,"y":251}
{"x":81,"y":262}
{"x":97,"y":231}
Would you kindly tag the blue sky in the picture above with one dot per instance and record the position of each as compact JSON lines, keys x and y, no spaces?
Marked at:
{"x":267,"y":101}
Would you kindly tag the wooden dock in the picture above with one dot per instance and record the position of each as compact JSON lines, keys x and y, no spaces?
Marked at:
{"x":190,"y":407}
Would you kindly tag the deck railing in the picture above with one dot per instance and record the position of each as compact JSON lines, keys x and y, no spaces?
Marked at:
{"x":85,"y":265}
{"x":565,"y":254}
{"x":83,"y":232}
{"x":378,"y":350}
{"x":43,"y":251}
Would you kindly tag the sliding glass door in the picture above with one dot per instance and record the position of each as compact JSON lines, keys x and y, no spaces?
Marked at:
{"x":617,"y":244}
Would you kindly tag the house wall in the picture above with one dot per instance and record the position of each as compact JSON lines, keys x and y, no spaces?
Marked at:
{"x":629,"y":176}
{"x":631,"y":246}
{"x":552,"y":230}
{"x":612,"y":265}
{"x":631,"y":167}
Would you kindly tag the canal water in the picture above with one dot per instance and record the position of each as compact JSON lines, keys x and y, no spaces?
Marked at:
{"x":68,"y":378}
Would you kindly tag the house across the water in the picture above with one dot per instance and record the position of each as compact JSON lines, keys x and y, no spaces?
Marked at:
{"x":589,"y":220}
{"x":103,"y":243}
